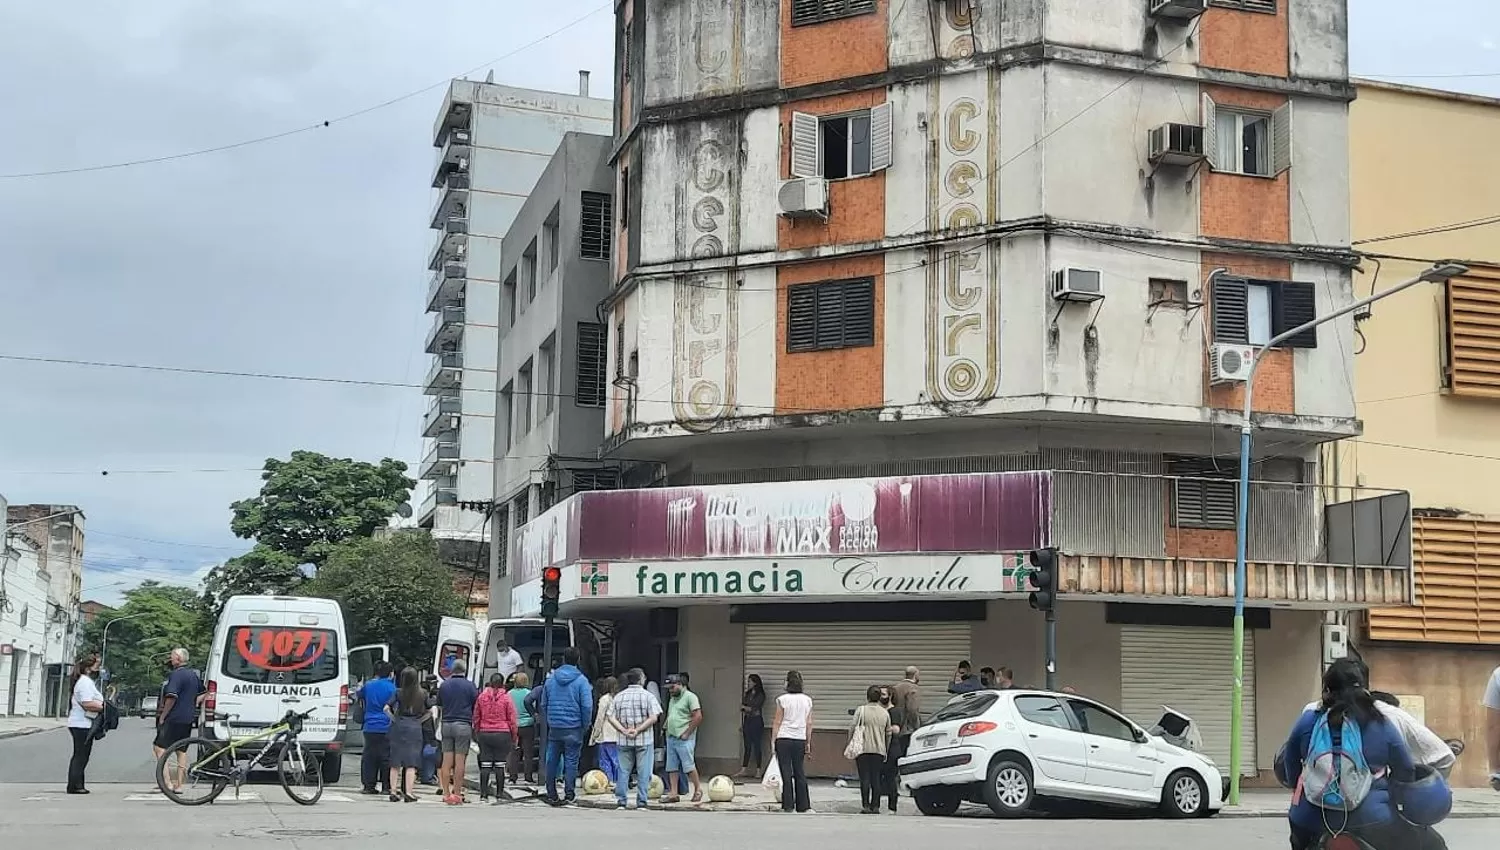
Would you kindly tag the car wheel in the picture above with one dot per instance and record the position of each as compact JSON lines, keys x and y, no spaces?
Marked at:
{"x":1184,"y":795}
{"x":333,"y":767}
{"x":1007,"y":789}
{"x":938,"y":800}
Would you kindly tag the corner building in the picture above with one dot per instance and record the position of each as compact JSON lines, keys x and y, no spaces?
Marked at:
{"x":906,"y":290}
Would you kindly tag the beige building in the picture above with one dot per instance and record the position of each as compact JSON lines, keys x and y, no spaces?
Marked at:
{"x":1424,"y":186}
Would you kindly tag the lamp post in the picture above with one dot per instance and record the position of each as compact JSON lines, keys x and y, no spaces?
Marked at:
{"x":104,"y":641}
{"x":1437,"y":274}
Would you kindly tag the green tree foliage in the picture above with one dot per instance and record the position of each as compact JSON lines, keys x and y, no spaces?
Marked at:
{"x":393,"y":589}
{"x":262,"y":570}
{"x":136,"y":655}
{"x":310,"y":503}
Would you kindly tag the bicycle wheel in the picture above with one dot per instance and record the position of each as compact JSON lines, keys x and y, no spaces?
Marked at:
{"x":206,"y":776}
{"x":301,"y":775}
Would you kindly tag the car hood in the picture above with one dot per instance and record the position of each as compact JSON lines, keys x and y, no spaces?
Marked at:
{"x":1177,"y":731}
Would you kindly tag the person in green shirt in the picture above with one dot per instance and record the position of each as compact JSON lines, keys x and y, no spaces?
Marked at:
{"x":684,"y":714}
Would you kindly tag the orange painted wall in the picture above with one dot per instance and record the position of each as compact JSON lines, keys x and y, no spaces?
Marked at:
{"x":836,"y":50}
{"x":842,"y":379}
{"x":1275,"y":384}
{"x":1236,"y":206}
{"x":1240,"y":40}
{"x":856,"y":205}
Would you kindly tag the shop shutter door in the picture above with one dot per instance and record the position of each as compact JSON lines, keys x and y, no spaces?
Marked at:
{"x":1190,"y":669}
{"x":840,"y":660}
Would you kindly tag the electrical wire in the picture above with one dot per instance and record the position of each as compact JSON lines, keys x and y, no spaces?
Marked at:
{"x":1430,"y":231}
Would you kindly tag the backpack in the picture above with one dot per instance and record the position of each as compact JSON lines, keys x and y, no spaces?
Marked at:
{"x":1335,"y":774}
{"x":108,"y":720}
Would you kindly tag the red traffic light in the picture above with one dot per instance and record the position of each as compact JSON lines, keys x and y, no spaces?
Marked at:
{"x":552,"y":574}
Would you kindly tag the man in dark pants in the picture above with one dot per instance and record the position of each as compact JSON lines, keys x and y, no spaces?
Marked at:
{"x":375,"y":761}
{"x":906,"y":715}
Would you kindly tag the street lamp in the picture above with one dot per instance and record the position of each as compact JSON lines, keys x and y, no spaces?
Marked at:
{"x":104,"y":641}
{"x":1437,"y":274}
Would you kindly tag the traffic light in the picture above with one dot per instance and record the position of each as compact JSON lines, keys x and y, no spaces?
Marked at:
{"x":1043,"y":578}
{"x":551,"y":578}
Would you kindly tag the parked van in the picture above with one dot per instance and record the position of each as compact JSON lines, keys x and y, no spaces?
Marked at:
{"x":462,"y":640}
{"x":274,"y":654}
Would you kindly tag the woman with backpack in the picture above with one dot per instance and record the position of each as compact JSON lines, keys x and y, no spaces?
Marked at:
{"x":1344,"y":759}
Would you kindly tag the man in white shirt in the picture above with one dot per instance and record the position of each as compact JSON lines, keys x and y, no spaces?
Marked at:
{"x":1492,"y":727}
{"x":507,"y":659}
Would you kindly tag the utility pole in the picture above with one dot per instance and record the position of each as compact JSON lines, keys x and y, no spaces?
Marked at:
{"x":1439,"y":273}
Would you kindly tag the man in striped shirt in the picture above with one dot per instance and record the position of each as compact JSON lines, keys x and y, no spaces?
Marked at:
{"x":634,"y":712}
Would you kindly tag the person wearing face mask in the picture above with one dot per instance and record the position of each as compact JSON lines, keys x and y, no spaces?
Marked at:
{"x":87,"y":702}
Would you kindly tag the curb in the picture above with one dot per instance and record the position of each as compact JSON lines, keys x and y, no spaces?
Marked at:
{"x":23,"y":731}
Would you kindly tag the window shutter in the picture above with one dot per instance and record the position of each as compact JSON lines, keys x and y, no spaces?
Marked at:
{"x":1281,"y":139}
{"x":1211,"y":132}
{"x":830,"y":322}
{"x":594,"y":226}
{"x":859,"y":312}
{"x":1296,"y":304}
{"x":882,"y":141}
{"x":804,"y":145}
{"x":592,"y":345}
{"x":1231,"y":309}
{"x":801,"y":318}
{"x":806,"y":11}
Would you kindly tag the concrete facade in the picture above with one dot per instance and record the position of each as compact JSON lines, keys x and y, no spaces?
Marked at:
{"x":493,"y":142}
{"x":25,"y":623}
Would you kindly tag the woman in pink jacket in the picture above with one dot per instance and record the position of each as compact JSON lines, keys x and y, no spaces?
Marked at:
{"x":495,"y":726}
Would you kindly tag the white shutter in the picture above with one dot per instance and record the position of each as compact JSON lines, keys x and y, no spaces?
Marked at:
{"x":1281,"y":139}
{"x":1211,"y":132}
{"x":840,"y":661}
{"x":882,"y":148}
{"x":1191,"y":670}
{"x":804,"y":145}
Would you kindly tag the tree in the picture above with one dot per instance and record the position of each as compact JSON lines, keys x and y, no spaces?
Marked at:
{"x":262,"y":570}
{"x":393,"y":589}
{"x":136,"y":656}
{"x":312,"y":502}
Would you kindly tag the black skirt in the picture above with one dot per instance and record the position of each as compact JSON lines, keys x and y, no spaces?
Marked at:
{"x":406,"y":742}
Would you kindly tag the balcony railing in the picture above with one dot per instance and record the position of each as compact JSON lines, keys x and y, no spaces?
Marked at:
{"x":452,"y":202}
{"x":447,"y":327}
{"x":446,"y":373}
{"x":446,"y":289}
{"x":1162,"y":516}
{"x":452,"y":243}
{"x":441,"y":458}
{"x":457,"y":116}
{"x":453,"y":158}
{"x":442,"y":415}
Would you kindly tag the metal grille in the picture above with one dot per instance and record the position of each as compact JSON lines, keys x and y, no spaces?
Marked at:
{"x":835,"y":314}
{"x":502,"y":538}
{"x":1473,"y":333}
{"x":817,"y":11}
{"x":1296,"y":305}
{"x":1458,"y":585}
{"x":591,"y":353}
{"x":1205,"y":496}
{"x":1189,"y":669}
{"x":594,"y":228}
{"x":1252,"y":5}
{"x":1231,"y":309}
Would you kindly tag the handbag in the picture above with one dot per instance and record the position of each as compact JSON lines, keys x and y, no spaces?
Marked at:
{"x":856,"y":746}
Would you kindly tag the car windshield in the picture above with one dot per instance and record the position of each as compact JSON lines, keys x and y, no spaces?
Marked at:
{"x":964,"y":707}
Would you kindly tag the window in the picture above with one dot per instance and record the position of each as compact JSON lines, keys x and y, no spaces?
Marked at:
{"x":528,"y":271}
{"x":509,"y":294}
{"x":546,"y":375}
{"x":507,"y":415}
{"x":550,"y":241}
{"x":627,"y":36}
{"x":1247,"y":5}
{"x":283,"y":656}
{"x":607,"y":478}
{"x":964,"y":707}
{"x":620,"y":350}
{"x":837,"y":146}
{"x":501,"y":535}
{"x":1245,"y":142}
{"x":591,"y":355}
{"x":521,"y":507}
{"x":1205,"y":494}
{"x":1470,"y":335}
{"x":1163,"y":292}
{"x":835,"y":314}
{"x":806,"y":12}
{"x":525,"y":389}
{"x":595,"y":226}
{"x":1093,"y":720}
{"x":1043,"y":711}
{"x":1251,"y":312}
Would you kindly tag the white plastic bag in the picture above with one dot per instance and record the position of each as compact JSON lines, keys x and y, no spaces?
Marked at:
{"x":772,"y":780}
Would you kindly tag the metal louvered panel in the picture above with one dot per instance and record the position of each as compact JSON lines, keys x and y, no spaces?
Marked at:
{"x":1296,"y":305}
{"x":837,"y":662}
{"x":1457,"y":579}
{"x":877,"y":469}
{"x":1191,"y":670}
{"x":801,"y":318}
{"x":594,"y":226}
{"x":591,"y":353}
{"x":1473,"y":337}
{"x":815,"y":11}
{"x":1231,"y":309}
{"x":1206,"y":494}
{"x":830,"y":308}
{"x":859,"y":312}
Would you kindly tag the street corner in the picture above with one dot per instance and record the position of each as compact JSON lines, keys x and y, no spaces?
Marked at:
{"x":17,"y":727}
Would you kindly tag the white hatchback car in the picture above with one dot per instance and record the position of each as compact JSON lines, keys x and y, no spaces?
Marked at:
{"x":1006,"y":749}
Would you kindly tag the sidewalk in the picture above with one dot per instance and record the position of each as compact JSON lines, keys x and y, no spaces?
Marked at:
{"x":14,"y":727}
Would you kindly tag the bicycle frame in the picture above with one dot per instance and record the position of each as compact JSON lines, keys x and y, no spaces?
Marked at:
{"x":278,"y":734}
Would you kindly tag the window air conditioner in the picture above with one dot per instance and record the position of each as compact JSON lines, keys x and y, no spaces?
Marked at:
{"x":803,"y":196}
{"x":1230,"y":363}
{"x":1176,"y":144}
{"x":1181,"y":10}
{"x":1077,"y":285}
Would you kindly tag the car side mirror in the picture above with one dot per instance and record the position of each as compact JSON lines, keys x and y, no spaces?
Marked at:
{"x":1140,"y":737}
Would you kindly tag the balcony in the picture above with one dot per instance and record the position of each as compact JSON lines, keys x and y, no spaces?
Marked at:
{"x":456,"y":116}
{"x":446,"y":373}
{"x":453,"y":158}
{"x":452,"y":202}
{"x":442,"y":458}
{"x":447,"y":329}
{"x":452,"y":243}
{"x":442,"y":415}
{"x":446,"y":289}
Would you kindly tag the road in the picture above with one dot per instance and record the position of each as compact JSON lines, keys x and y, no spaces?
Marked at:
{"x":123,"y":812}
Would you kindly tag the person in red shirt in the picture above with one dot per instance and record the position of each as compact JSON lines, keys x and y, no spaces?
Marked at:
{"x":496,"y":725}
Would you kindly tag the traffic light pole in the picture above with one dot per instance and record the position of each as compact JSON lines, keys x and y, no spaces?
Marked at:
{"x":546,"y":647}
{"x":1049,"y":646}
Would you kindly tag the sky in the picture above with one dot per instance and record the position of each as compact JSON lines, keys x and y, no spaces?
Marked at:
{"x":305,"y":255}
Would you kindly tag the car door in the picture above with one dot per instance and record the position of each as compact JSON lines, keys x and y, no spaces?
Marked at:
{"x":1056,"y":747}
{"x":361,"y":669}
{"x":1120,"y":761}
{"x":456,"y":640}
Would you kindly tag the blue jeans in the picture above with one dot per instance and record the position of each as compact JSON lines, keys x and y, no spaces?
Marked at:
{"x":637,"y":762}
{"x":609,"y":760}
{"x":429,"y":764}
{"x":564,"y":745}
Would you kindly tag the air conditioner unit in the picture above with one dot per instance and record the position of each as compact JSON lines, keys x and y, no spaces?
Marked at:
{"x":1176,"y":144}
{"x":1181,"y":10}
{"x":1230,"y":363}
{"x":1077,"y":285}
{"x":803,"y":196}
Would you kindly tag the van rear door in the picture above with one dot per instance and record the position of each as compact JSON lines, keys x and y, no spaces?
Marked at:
{"x":362,"y":662}
{"x":456,"y":642}
{"x":282,"y":661}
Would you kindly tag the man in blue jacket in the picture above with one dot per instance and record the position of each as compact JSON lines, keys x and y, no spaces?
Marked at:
{"x":569,"y":707}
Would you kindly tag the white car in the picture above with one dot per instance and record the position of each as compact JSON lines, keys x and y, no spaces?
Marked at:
{"x":1005,"y":749}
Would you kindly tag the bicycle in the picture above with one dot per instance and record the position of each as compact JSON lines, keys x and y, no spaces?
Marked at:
{"x":218,"y":764}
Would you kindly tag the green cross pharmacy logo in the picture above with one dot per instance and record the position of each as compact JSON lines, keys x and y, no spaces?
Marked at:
{"x":1016,"y":572}
{"x":593,"y":579}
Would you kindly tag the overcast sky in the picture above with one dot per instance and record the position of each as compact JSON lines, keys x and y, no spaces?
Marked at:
{"x":305,"y":255}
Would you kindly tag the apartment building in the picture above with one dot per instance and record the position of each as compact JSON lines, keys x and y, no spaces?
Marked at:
{"x":1428,"y":380}
{"x":904,"y":291}
{"x":47,"y":542}
{"x":555,"y":272}
{"x":493,"y":142}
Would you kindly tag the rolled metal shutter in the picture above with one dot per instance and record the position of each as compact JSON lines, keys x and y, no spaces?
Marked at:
{"x":1190,"y":669}
{"x":839,"y":661}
